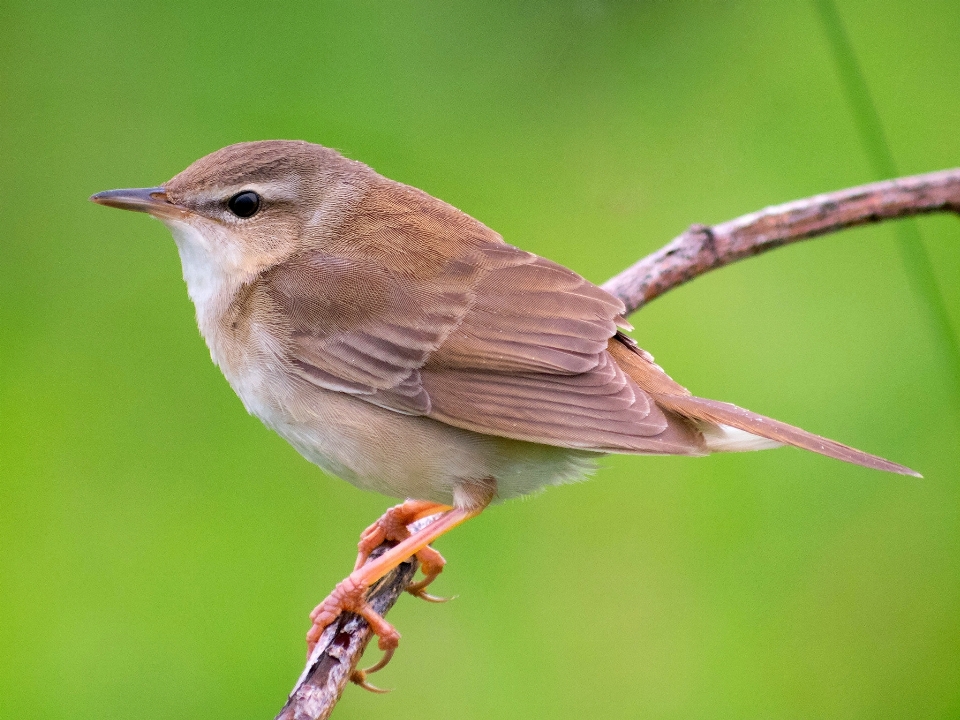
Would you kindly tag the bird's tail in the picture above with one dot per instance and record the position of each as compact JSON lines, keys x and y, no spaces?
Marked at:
{"x":720,"y":422}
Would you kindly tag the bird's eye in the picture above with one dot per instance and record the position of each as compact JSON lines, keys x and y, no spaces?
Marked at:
{"x":244,"y":204}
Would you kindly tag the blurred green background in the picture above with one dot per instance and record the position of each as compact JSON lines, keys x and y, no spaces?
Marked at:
{"x":160,"y":549}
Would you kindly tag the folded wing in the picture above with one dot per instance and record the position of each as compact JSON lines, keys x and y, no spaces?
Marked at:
{"x":488,"y":338}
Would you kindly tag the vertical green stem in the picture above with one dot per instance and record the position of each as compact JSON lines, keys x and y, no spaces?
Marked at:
{"x":916,"y":261}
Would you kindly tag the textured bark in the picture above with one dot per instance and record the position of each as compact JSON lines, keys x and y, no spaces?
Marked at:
{"x":702,"y":248}
{"x":695,"y":252}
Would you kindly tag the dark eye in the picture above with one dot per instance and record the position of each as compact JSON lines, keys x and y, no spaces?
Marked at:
{"x":244,"y":204}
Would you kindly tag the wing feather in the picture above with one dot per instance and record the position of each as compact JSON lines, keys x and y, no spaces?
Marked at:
{"x":533,"y":316}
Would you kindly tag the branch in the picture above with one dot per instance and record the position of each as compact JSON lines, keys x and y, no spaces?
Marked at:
{"x":701,"y":248}
{"x":695,"y":252}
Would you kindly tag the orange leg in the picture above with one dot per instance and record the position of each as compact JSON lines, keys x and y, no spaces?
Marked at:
{"x":393,"y":527}
{"x":349,"y":595}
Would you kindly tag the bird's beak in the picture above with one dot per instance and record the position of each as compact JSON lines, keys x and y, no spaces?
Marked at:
{"x":149,"y":200}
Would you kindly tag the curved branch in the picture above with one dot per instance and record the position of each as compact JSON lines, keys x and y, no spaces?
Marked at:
{"x":701,"y":248}
{"x":690,"y":255}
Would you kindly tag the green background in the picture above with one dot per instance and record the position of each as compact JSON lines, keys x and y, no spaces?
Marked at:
{"x":160,"y":549}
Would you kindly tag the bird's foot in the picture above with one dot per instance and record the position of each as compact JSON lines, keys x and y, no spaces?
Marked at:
{"x":393,"y":527}
{"x":350,"y":596}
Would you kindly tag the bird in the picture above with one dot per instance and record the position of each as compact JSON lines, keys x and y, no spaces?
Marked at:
{"x":400,"y":344}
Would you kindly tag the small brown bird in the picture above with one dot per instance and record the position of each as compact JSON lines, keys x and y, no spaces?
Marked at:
{"x":402,"y":345}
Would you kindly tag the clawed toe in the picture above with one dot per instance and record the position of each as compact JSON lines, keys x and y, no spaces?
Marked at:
{"x":428,"y":597}
{"x":418,"y":589}
{"x":359,"y":677}
{"x":349,"y":596}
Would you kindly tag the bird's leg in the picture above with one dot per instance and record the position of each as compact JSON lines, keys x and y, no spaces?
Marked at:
{"x":350,"y":594}
{"x":393,"y":526}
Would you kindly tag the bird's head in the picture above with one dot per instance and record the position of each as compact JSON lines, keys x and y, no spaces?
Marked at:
{"x":248,"y":206}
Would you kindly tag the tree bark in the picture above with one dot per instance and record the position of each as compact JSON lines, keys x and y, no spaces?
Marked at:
{"x":702,"y":248}
{"x":695,"y":252}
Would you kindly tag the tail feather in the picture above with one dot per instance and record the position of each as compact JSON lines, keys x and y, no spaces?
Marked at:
{"x":714,"y":411}
{"x":715,"y":419}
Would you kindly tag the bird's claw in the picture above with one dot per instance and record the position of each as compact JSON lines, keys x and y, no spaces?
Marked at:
{"x":359,"y":677}
{"x":418,"y":589}
{"x":423,"y":595}
{"x":349,"y":596}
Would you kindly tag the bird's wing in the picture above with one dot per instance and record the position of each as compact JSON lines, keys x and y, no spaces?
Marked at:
{"x":529,"y":361}
{"x":496,"y":340}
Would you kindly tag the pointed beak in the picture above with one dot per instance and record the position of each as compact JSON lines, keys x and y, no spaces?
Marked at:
{"x":149,"y":200}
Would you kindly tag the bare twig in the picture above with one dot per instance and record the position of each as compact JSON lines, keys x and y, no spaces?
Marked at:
{"x":695,"y":252}
{"x":702,"y":248}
